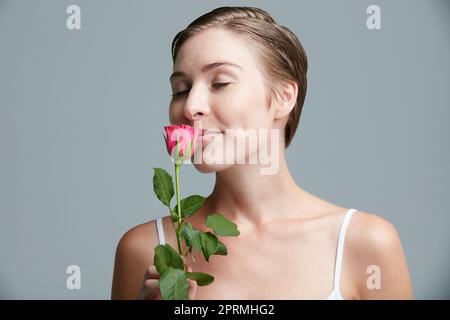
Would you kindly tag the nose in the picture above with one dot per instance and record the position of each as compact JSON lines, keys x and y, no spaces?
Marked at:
{"x":196,"y":106}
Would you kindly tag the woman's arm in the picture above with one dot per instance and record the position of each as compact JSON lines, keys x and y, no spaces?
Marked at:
{"x":377,"y":260}
{"x":134,"y":254}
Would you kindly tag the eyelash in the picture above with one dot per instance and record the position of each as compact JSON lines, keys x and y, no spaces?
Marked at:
{"x":219,"y":86}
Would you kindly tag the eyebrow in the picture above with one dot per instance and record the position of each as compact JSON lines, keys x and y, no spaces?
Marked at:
{"x":205,"y":69}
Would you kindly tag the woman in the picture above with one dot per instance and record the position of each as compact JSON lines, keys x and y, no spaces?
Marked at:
{"x":236,"y":68}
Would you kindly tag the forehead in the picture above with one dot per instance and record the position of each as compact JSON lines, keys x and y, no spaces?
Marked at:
{"x":214,"y":45}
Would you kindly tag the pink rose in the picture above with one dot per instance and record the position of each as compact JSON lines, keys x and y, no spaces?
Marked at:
{"x":181,"y":141}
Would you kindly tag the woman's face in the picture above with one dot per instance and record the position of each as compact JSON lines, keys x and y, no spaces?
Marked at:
{"x":217,"y":84}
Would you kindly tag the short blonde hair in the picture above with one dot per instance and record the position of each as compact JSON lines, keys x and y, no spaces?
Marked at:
{"x":281,"y":53}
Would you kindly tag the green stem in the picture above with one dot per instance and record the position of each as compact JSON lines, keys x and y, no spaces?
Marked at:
{"x":180,"y":224}
{"x":177,"y":186}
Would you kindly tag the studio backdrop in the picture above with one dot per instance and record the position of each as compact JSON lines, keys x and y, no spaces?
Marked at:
{"x":83,"y":101}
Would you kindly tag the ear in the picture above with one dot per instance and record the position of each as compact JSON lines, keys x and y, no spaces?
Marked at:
{"x":286,"y":99}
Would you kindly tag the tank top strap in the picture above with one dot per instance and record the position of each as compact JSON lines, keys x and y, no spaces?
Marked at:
{"x":340,"y":248}
{"x":159,"y":227}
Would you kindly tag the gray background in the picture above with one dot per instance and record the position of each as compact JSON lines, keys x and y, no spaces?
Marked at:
{"x":81,"y":114}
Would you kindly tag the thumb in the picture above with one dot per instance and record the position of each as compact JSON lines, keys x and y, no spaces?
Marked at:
{"x":192,"y":289}
{"x":192,"y":284}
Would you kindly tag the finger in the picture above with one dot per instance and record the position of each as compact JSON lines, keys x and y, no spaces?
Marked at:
{"x":151,"y":273}
{"x":152,"y":286}
{"x":192,"y":289}
{"x":185,"y":261}
{"x":192,"y":284}
{"x":150,"y":290}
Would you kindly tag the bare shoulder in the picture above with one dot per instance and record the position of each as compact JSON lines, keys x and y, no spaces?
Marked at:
{"x":376,"y":258}
{"x":139,"y":238}
{"x":370,"y":231}
{"x":134,"y":254}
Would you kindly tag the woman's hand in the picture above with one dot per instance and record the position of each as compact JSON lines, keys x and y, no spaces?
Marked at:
{"x":150,"y":287}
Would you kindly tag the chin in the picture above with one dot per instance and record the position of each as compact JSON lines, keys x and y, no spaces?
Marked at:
{"x":209,"y":168}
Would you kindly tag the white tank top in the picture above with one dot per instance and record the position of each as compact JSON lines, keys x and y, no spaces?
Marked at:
{"x":336,"y":293}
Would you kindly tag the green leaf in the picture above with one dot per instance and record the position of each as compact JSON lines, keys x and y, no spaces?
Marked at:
{"x":190,"y":205}
{"x":221,"y":225}
{"x":209,"y":244}
{"x":221,"y":249}
{"x":202,"y":279}
{"x":173,"y":285}
{"x":166,"y":257}
{"x":163,"y":186}
{"x":192,"y":236}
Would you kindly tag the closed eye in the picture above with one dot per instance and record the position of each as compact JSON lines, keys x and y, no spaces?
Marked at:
{"x":179,"y":93}
{"x":218,"y":85}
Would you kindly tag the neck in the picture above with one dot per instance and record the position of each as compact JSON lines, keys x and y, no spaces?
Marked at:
{"x":250,"y":199}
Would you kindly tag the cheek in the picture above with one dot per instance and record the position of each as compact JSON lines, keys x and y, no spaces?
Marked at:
{"x":243,"y":108}
{"x":175,"y":116}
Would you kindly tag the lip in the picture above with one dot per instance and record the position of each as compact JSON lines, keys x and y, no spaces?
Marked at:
{"x":207,"y":135}
{"x":209,"y":132}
